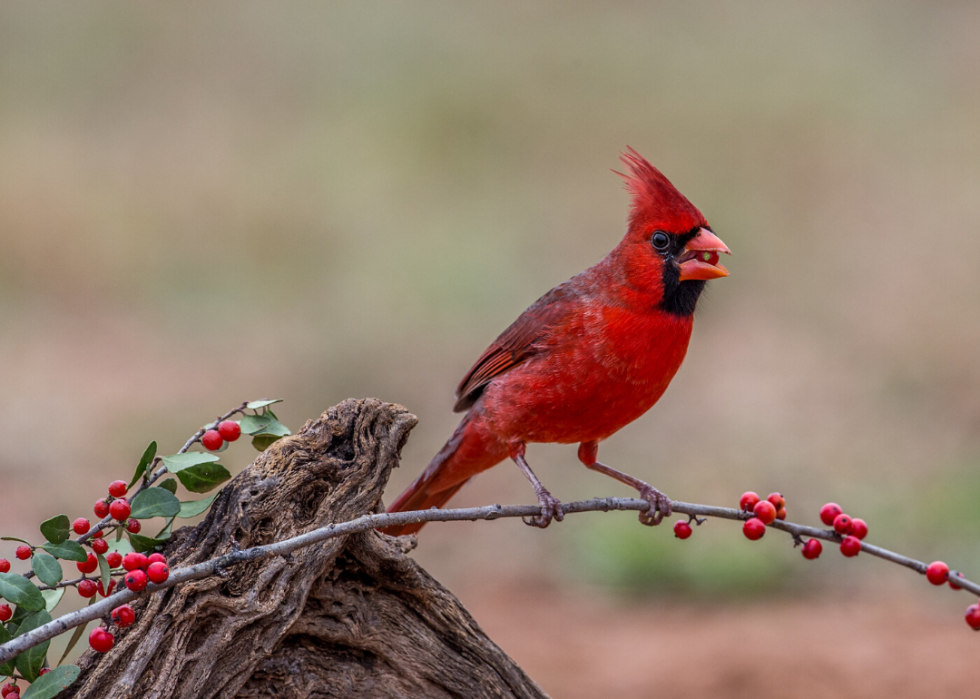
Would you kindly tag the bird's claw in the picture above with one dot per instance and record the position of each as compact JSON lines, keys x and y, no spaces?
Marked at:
{"x":550,"y":509}
{"x":660,"y":506}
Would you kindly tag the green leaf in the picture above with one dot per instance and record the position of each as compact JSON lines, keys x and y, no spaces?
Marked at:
{"x":151,"y":451}
{"x":169,"y":484}
{"x":263,"y":424}
{"x":167,"y":529}
{"x":142,"y":544}
{"x":193,"y":508}
{"x":122,"y":546}
{"x":103,"y":570}
{"x":154,"y":502}
{"x":178,"y":462}
{"x":20,"y":591}
{"x":53,"y":683}
{"x":67,"y":550}
{"x":52,"y":598}
{"x":256,"y":404}
{"x":56,"y":529}
{"x":261,"y":442}
{"x":7,"y":668}
{"x":204,"y":477}
{"x":19,"y":615}
{"x":47,"y":568}
{"x":30,"y":662}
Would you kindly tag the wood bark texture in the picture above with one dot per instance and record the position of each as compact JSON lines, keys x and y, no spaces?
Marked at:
{"x":349,"y":617}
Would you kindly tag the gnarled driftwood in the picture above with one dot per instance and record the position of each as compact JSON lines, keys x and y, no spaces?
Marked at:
{"x":349,"y":617}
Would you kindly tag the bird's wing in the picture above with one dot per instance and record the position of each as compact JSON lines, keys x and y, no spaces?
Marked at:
{"x":515,"y":345}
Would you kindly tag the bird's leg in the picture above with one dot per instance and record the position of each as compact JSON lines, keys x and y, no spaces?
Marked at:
{"x":660,"y":505}
{"x":550,"y":505}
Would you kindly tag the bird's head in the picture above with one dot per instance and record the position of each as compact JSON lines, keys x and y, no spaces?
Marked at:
{"x":669,"y":248}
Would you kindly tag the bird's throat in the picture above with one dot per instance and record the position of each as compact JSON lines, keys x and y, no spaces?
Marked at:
{"x":679,"y":298}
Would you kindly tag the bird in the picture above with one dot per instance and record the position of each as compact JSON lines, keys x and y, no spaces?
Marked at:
{"x":586,"y":359}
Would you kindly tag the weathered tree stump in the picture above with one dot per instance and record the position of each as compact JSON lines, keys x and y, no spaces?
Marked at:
{"x":349,"y":617}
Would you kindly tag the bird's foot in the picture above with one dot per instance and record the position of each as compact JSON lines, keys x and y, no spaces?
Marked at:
{"x":660,"y":506}
{"x":550,"y":509}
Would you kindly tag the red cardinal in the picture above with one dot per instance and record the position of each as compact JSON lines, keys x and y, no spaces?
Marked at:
{"x":588,"y":357}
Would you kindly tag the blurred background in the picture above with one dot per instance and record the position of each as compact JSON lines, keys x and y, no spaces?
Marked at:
{"x":201,"y":204}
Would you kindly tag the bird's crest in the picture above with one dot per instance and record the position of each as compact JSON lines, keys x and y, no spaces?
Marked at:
{"x":656,"y":202}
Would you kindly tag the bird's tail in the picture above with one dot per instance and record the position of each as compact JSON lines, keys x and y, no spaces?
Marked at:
{"x":471,"y":449}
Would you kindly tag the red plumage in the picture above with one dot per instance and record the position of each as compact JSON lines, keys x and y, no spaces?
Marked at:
{"x":587,"y":358}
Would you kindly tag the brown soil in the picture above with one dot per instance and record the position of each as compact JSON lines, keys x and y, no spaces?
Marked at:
{"x":579,"y":646}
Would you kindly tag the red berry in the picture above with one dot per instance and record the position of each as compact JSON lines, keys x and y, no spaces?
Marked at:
{"x":134,"y":561}
{"x":114,"y":559}
{"x":98,"y":534}
{"x":748,"y":500}
{"x":81,"y":526}
{"x":101,"y":640}
{"x":777,"y":500}
{"x":859,"y":528}
{"x":229,"y":430}
{"x":842,"y":524}
{"x":682,"y":530}
{"x":119,"y":509}
{"x":754,"y":528}
{"x":212,"y":440}
{"x":5,"y":612}
{"x":937,"y":572}
{"x":123,"y":616}
{"x":23,"y":552}
{"x":973,"y":616}
{"x":828,"y":512}
{"x":118,"y":488}
{"x":90,"y":565}
{"x":101,"y":508}
{"x":43,"y":671}
{"x":100,"y":545}
{"x":133,"y":526}
{"x":135,"y":580}
{"x":4,"y":565}
{"x":87,"y":588}
{"x":159,"y":572}
{"x":781,"y":513}
{"x":953,"y":584}
{"x":112,"y":587}
{"x":850,"y":546}
{"x":812,"y":549}
{"x":765,"y":511}
{"x":155,"y":558}
{"x":8,"y":688}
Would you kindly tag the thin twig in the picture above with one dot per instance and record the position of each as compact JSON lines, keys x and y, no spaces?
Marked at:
{"x":377,"y":521}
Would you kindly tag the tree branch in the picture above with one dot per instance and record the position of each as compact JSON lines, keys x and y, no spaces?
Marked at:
{"x":217,"y":566}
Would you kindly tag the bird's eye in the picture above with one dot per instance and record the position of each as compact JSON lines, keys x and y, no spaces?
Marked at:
{"x":660,"y":240}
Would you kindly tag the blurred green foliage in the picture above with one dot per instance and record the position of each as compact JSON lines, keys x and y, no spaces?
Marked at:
{"x":716,"y":562}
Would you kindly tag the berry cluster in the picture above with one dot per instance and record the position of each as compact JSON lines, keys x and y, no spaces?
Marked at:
{"x":851,"y":529}
{"x":764,"y":512}
{"x":105,"y":567}
{"x":101,"y":639}
{"x":140,"y":570}
{"x":227,"y":431}
{"x":115,"y":506}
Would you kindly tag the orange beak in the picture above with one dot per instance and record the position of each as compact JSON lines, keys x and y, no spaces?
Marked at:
{"x":700,"y":257}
